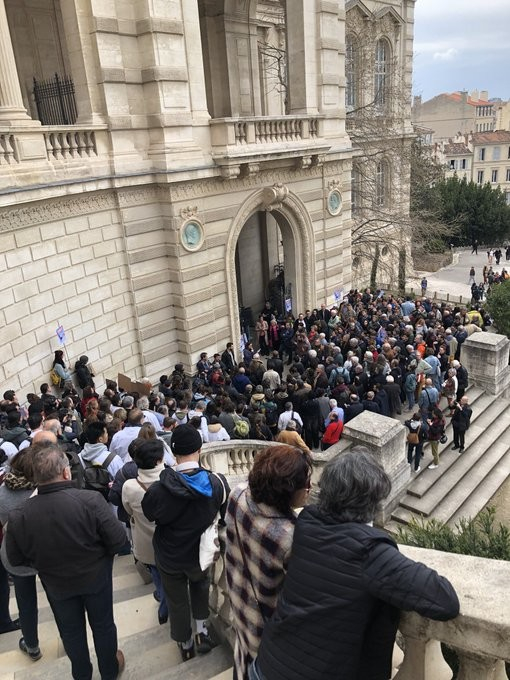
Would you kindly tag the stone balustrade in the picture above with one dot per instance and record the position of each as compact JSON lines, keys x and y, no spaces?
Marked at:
{"x":238,"y":143}
{"x":7,"y":149}
{"x":69,"y":142}
{"x":227,"y":132}
{"x":480,"y":635}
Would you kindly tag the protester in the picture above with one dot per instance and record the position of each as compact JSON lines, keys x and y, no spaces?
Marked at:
{"x":260,"y":524}
{"x":345,"y":583}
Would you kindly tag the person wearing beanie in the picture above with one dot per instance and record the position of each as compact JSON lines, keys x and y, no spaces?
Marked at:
{"x":183,"y":504}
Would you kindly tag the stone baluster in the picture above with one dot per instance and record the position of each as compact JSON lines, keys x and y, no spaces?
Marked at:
{"x":500,"y":671}
{"x":475,"y":667}
{"x":423,"y":660}
{"x":12,"y":109}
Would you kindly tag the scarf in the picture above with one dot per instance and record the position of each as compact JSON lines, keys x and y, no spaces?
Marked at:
{"x":15,"y":481}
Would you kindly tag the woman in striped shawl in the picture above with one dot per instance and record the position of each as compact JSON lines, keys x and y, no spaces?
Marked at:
{"x":260,"y":525}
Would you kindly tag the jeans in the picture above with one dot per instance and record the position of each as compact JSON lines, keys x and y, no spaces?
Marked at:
{"x":184,"y":589}
{"x":26,"y":597}
{"x":410,"y":399}
{"x":69,"y":612}
{"x":156,"y":578}
{"x":416,"y":449}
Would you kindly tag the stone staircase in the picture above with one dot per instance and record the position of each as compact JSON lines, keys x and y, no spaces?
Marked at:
{"x":463,"y":483}
{"x":149,"y":652}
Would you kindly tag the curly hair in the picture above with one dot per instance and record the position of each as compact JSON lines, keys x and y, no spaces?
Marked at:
{"x":277,"y":473}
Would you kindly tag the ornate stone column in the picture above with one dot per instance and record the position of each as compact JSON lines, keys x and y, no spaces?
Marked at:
{"x":12,"y":110}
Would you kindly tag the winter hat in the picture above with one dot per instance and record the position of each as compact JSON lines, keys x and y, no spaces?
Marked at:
{"x":185,"y":440}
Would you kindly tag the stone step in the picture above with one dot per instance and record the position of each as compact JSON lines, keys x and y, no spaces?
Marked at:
{"x":484,"y":491}
{"x":135,"y":612}
{"x":206,"y":667}
{"x":426,"y":479}
{"x":468,"y":470}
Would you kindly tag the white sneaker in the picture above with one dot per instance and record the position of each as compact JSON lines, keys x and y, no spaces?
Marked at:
{"x":433,"y":467}
{"x":418,"y":468}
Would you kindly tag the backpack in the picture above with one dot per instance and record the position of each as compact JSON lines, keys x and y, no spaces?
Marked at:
{"x":241,"y":428}
{"x":54,"y":378}
{"x":96,"y":476}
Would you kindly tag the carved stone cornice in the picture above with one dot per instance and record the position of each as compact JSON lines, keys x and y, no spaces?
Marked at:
{"x":53,"y":209}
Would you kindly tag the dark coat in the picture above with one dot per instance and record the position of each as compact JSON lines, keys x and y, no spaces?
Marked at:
{"x":461,"y":418}
{"x":69,"y":535}
{"x":341,"y":598}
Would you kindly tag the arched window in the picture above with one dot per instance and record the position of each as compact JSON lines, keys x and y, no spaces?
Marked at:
{"x":355,"y":190}
{"x":382,"y":184}
{"x":381,"y":73}
{"x":351,"y":58}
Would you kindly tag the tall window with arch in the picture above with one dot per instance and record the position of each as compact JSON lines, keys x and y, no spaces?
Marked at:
{"x":381,"y":74}
{"x":351,"y":58}
{"x":382,"y":184}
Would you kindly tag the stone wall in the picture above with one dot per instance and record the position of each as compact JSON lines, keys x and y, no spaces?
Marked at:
{"x":71,"y":271}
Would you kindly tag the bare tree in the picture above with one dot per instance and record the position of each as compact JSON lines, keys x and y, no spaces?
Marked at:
{"x":272,"y":44}
{"x":378,"y":99}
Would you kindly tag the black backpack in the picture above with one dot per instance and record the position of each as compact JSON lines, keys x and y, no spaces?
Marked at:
{"x":96,"y":476}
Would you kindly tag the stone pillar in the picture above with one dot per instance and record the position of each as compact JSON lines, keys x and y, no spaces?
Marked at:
{"x":331,"y":67}
{"x":485,"y":356}
{"x":386,"y":440}
{"x":173,"y":82}
{"x":302,"y":56}
{"x":12,"y":110}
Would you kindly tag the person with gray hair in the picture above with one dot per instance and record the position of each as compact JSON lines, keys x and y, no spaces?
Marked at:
{"x":148,"y":415}
{"x":70,"y":536}
{"x":345,"y":583}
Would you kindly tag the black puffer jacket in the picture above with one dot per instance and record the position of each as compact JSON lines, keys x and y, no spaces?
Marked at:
{"x":339,"y":608}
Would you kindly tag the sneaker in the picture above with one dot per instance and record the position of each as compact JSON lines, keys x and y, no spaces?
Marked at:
{"x":121,"y":662}
{"x":187,"y":653}
{"x":461,"y":450}
{"x":418,"y":468}
{"x":454,"y":448}
{"x":433,"y":467}
{"x":203,"y":643}
{"x":34,"y":654}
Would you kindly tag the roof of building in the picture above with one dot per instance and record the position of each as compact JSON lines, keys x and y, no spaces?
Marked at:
{"x":457,"y":97}
{"x":495,"y":137}
{"x":456,"y":149}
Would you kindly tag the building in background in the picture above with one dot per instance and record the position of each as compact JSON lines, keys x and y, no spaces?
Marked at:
{"x":456,"y":113}
{"x":480,"y":157}
{"x":165,"y":166}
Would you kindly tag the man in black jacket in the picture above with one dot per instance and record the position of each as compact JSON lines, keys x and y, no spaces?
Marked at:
{"x":70,"y":536}
{"x":460,"y":422}
{"x":184,"y":503}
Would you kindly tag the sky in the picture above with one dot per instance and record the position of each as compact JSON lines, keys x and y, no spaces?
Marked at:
{"x":461,"y":45}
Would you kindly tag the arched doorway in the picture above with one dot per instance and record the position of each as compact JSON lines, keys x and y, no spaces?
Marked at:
{"x":262,"y":263}
{"x":271,"y":240}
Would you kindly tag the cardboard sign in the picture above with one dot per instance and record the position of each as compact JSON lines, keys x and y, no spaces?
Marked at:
{"x":129,"y":385}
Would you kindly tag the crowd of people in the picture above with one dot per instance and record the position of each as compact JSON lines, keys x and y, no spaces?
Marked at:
{"x":304,"y":380}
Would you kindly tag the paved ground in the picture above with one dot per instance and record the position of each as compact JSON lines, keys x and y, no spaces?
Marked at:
{"x":454,"y":278}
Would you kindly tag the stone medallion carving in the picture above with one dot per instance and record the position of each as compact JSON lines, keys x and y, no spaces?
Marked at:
{"x":334,"y":198}
{"x":192,"y":234}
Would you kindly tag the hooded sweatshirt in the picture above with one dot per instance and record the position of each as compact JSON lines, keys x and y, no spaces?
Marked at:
{"x":97,"y":454}
{"x":182,"y":505}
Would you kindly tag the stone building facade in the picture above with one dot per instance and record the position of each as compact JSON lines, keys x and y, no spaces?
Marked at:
{"x":142,"y":211}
